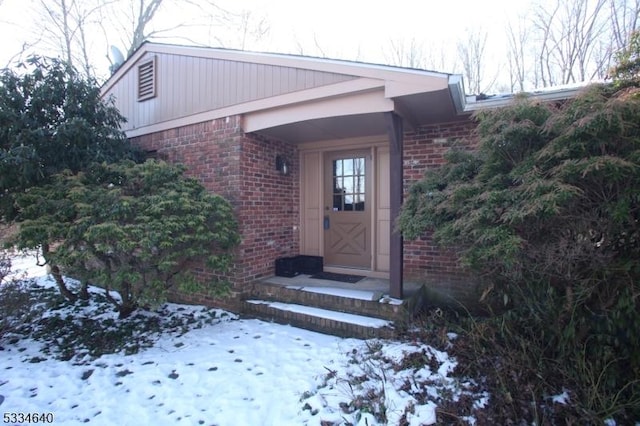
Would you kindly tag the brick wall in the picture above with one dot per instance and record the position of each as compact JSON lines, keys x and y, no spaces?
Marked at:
{"x":424,"y":261}
{"x":269,"y":206}
{"x":210,"y":150}
{"x":242,"y":169}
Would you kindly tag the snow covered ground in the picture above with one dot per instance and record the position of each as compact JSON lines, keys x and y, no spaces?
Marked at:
{"x":230,"y":371}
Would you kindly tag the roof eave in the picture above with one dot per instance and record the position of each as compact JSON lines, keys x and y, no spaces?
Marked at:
{"x":466,"y":104}
{"x":456,"y":89}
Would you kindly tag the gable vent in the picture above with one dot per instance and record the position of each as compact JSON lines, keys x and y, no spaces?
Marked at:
{"x":147,"y":80}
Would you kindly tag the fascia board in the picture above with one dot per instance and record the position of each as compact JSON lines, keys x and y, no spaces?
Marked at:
{"x":360,"y":103}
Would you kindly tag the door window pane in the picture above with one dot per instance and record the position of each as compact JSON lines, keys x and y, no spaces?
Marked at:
{"x":349,"y":184}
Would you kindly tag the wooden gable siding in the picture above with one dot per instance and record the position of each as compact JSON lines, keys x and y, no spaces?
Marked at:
{"x":188,"y":85}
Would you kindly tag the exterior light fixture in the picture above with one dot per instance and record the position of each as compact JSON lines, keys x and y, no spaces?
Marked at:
{"x":282,"y":165}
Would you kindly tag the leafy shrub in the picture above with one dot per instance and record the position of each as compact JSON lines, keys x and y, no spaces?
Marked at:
{"x":627,"y":70}
{"x":547,"y":212}
{"x":135,"y":228}
{"x":52,"y":119}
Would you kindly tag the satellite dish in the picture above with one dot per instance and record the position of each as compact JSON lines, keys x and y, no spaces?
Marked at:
{"x":117,"y":56}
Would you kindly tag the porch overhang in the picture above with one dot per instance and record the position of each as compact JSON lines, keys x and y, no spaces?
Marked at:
{"x":354,"y":114}
{"x":382,"y":110}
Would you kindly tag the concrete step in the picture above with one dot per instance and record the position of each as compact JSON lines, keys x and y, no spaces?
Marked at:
{"x":322,"y":320}
{"x":366,"y":303}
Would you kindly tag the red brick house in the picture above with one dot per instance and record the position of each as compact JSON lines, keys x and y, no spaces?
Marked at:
{"x":313,"y":153}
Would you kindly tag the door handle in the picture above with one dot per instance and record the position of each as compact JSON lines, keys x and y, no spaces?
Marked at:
{"x":326,"y":223}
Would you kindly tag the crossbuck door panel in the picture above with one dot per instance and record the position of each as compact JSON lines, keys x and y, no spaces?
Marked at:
{"x":347,"y":220}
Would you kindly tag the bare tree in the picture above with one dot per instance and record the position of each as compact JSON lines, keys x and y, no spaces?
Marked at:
{"x":517,"y":41}
{"x":569,"y":34}
{"x":65,"y":24}
{"x":59,"y":13}
{"x":249,"y":27}
{"x":405,"y":53}
{"x":560,"y":42}
{"x":317,"y":48}
{"x":131,"y":20}
{"x":589,"y":27}
{"x":438,"y":58}
{"x":472,"y":53}
{"x":625,"y":19}
{"x":74,"y":27}
{"x":203,"y":22}
{"x":414,"y":53}
{"x":542,"y":22}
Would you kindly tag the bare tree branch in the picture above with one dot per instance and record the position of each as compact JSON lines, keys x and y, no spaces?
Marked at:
{"x":472,"y":52}
{"x":625,"y":19}
{"x":318,"y":47}
{"x":65,"y":24}
{"x":517,"y":40}
{"x":146,"y":10}
{"x":406,"y":53}
{"x":543,"y":21}
{"x":570,"y":35}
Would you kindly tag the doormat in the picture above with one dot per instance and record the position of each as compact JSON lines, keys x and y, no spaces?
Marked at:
{"x":337,"y":277}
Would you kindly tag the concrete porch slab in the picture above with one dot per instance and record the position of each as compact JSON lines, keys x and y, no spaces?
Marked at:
{"x":379,"y":286}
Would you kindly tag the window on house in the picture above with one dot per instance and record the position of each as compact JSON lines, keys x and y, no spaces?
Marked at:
{"x":147,"y":80}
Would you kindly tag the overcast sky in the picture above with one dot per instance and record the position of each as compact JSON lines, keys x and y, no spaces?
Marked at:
{"x":364,"y":29}
{"x":360,"y":30}
{"x":347,"y":26}
{"x":341,"y":27}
